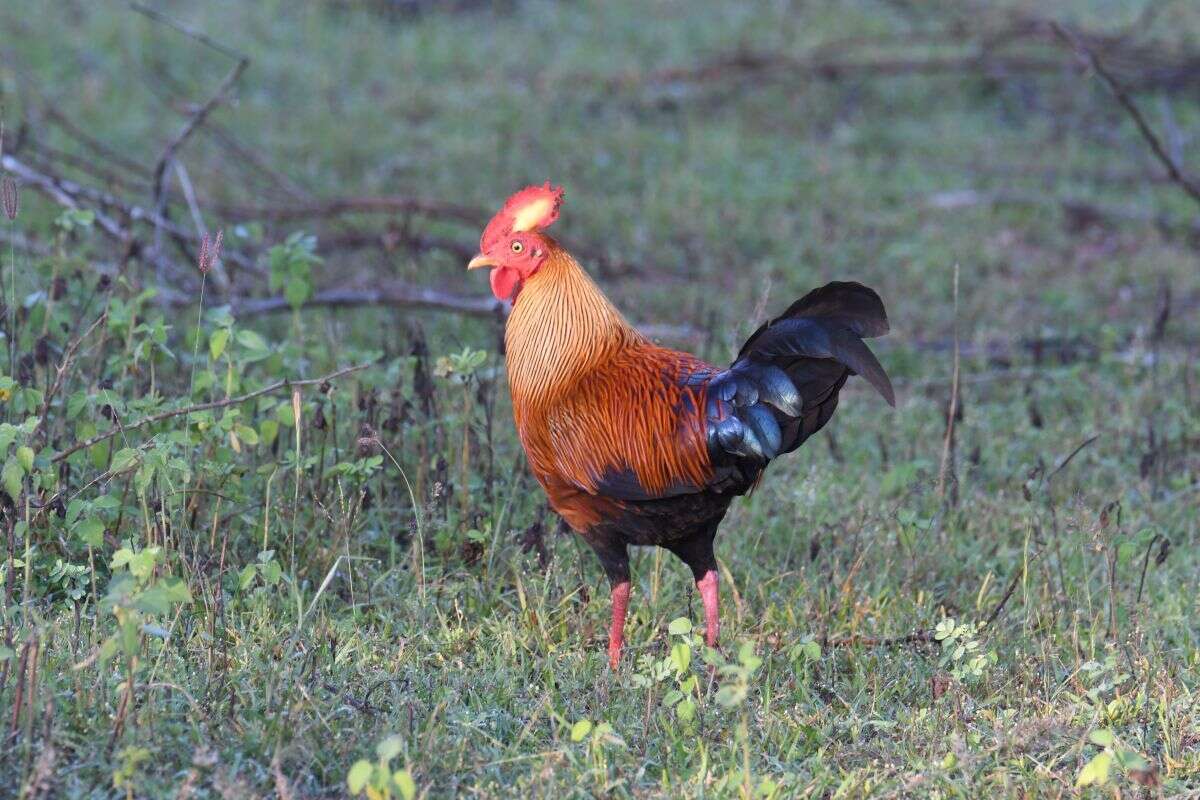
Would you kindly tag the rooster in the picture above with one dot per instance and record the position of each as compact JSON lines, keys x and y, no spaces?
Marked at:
{"x":635,"y":444}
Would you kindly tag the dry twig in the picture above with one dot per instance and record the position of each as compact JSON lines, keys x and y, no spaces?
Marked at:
{"x":1174,"y":170}
{"x":229,"y":401}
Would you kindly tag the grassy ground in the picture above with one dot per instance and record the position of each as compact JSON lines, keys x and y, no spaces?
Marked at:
{"x":245,"y":601}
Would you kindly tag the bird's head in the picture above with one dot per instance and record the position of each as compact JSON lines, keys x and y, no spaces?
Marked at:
{"x":512,"y":243}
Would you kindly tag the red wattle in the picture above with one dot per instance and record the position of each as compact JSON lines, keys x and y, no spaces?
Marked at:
{"x":505,"y":282}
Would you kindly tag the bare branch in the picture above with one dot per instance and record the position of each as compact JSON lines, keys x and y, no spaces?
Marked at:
{"x":229,"y":401}
{"x":64,"y":365}
{"x":394,"y":294}
{"x":1174,"y":170}
{"x":168,"y":156}
{"x":408,"y":296}
{"x":385,"y":204}
{"x":1068,"y":459}
{"x":70,"y":194}
{"x":199,"y":36}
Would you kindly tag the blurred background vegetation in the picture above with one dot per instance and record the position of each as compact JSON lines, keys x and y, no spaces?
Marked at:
{"x":228,"y":574}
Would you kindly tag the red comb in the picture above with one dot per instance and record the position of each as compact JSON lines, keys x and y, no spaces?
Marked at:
{"x":532,"y":208}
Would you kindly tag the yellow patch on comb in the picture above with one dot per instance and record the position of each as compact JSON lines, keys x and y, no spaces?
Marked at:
{"x":532,"y":208}
{"x":533,"y":214}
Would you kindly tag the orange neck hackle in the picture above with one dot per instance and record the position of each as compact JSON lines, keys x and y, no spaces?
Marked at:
{"x":561,"y":325}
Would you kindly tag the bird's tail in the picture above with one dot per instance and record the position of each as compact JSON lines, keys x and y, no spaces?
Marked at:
{"x":783,"y":387}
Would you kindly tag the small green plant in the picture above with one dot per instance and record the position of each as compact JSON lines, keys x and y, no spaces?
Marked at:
{"x":291,"y":268}
{"x":962,"y":653}
{"x":129,"y":762}
{"x":683,"y":695}
{"x":737,"y":680}
{"x":1096,"y":772}
{"x":70,"y":580}
{"x":377,"y":779}
{"x":136,"y":595}
{"x":265,"y":568}
{"x":597,"y":736}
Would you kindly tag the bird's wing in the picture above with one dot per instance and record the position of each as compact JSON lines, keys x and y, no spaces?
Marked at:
{"x":633,"y":429}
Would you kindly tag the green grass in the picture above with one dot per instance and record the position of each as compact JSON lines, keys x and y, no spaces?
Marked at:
{"x":300,"y":610}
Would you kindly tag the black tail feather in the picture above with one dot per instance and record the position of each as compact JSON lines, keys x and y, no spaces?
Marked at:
{"x":818,"y":343}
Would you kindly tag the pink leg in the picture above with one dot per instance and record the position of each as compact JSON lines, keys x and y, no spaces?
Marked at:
{"x":616,"y":633}
{"x":710,"y":594}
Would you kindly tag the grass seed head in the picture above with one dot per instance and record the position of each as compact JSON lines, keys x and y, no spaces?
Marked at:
{"x":210,"y":251}
{"x":10,"y":197}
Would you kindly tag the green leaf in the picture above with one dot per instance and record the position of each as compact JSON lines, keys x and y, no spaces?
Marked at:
{"x":686,"y":711}
{"x":141,"y":563}
{"x":271,"y":572}
{"x":731,"y":695}
{"x":747,"y":657}
{"x":359,"y":774}
{"x":108,"y":649}
{"x":8,"y":434}
{"x":12,"y":476}
{"x":1101,"y":737}
{"x":107,"y":503}
{"x":247,"y":434}
{"x":581,"y":729}
{"x":163,"y":596}
{"x":91,"y":532}
{"x":681,"y":655}
{"x":124,"y":459}
{"x":296,"y":291}
{"x":25,"y":456}
{"x":255,"y":345}
{"x":404,"y":782}
{"x":1132,"y":760}
{"x":283,"y":413}
{"x":1095,"y":771}
{"x":389,"y":748}
{"x":680,"y":626}
{"x":268,"y":429}
{"x":217,"y":342}
{"x":76,"y":403}
{"x":246,"y":576}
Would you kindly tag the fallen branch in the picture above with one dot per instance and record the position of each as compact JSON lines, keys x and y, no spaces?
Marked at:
{"x":62,"y":192}
{"x":333,"y":207}
{"x":925,"y":637}
{"x":974,"y":49}
{"x":402,"y":295}
{"x":918,"y":637}
{"x":199,"y":36}
{"x":1174,"y":171}
{"x":387,"y":295}
{"x":69,"y":194}
{"x":168,"y":157}
{"x":750,"y":64}
{"x":229,"y":401}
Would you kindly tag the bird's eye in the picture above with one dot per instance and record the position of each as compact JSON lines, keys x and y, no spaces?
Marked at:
{"x":517,"y":247}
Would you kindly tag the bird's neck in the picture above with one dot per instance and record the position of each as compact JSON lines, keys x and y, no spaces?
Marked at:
{"x":561,"y":327}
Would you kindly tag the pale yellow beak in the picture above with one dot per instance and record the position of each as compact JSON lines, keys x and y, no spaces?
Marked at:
{"x":480,"y":261}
